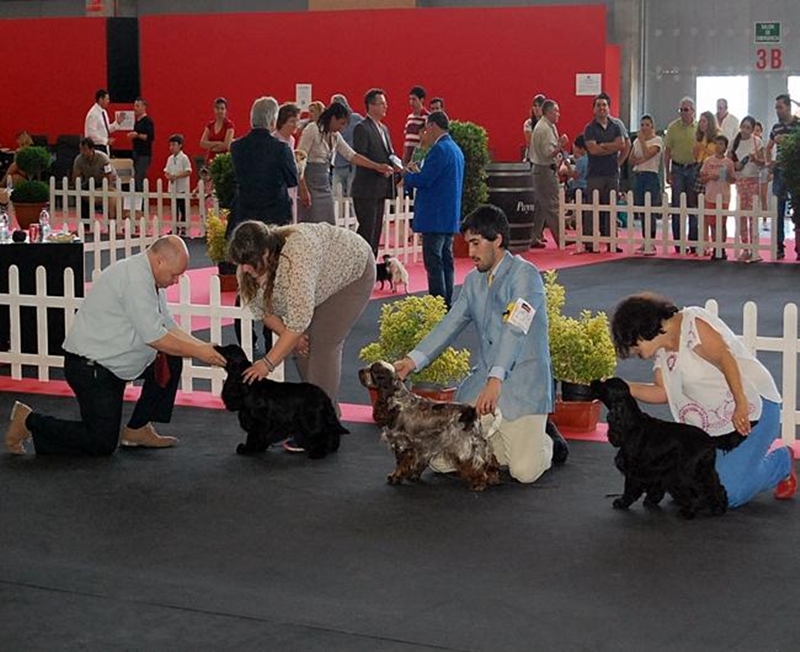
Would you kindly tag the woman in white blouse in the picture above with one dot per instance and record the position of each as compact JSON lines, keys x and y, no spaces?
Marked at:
{"x":309,"y":284}
{"x":319,"y":141}
{"x":710,"y":380}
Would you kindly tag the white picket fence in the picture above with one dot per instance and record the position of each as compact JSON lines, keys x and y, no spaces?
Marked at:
{"x":629,"y":238}
{"x":214,"y":315}
{"x":154,"y":211}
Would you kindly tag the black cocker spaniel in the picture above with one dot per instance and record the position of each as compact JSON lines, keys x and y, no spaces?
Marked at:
{"x":658,"y":457}
{"x":270,"y":411}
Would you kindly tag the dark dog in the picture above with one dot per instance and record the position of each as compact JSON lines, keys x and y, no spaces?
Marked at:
{"x":657,"y":456}
{"x":270,"y":412}
{"x":383,"y":273}
{"x":418,"y":429}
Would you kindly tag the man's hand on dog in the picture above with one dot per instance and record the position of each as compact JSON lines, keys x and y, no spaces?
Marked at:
{"x":210,"y":355}
{"x":403,"y":367}
{"x":486,"y":403}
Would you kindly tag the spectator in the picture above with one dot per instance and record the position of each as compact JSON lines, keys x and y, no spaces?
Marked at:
{"x":415,"y":121}
{"x":343,"y":171}
{"x":14,"y":174}
{"x":717,"y":174}
{"x":437,"y":204}
{"x":728,"y":123}
{"x":646,"y":158}
{"x":681,"y":168}
{"x":436,"y":104}
{"x":747,"y":153}
{"x":218,"y":133}
{"x":142,"y":137}
{"x":97,"y":126}
{"x":787,"y":124}
{"x":372,"y":187}
{"x":530,"y":123}
{"x":285,"y":128}
{"x":91,"y":164}
{"x":178,"y":170}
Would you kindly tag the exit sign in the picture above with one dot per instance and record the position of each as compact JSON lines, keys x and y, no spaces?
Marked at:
{"x":768,"y":32}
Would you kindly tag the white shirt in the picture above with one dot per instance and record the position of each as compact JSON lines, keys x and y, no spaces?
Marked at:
{"x":651,"y":164}
{"x":320,"y":148}
{"x":697,"y":390}
{"x":730,"y":127}
{"x":97,"y":126}
{"x":177,"y":163}
{"x":748,"y":148}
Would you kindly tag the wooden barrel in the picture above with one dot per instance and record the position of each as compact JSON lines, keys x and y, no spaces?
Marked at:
{"x":511,"y":188}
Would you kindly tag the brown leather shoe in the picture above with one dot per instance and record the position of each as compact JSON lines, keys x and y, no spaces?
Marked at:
{"x":146,"y":436}
{"x":18,"y":432}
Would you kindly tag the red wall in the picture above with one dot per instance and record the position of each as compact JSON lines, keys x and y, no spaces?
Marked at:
{"x":486,"y":63}
{"x":51,"y":70}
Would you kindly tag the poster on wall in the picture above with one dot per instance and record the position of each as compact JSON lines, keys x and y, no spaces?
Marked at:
{"x":588,"y":83}
{"x":302,"y":96}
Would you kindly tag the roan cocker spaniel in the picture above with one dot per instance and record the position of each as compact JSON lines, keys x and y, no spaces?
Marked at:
{"x":658,"y":457}
{"x":270,"y":411}
{"x":418,"y":429}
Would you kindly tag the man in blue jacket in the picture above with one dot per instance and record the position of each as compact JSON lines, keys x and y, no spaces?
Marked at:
{"x":504,"y":299}
{"x":437,"y":202}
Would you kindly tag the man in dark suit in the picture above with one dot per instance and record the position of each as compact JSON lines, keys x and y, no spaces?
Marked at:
{"x":264,"y":168}
{"x":437,"y":203}
{"x":371,"y":188}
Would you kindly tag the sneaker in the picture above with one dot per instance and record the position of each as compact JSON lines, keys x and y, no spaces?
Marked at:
{"x":291,"y":446}
{"x":744,"y":257}
{"x":754,"y":258}
{"x":649,"y":250}
{"x":787,"y":487}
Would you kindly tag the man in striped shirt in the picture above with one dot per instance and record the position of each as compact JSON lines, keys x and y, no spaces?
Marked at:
{"x":415,"y":122}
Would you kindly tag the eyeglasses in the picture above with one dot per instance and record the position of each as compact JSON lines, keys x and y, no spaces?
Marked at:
{"x":685,"y":110}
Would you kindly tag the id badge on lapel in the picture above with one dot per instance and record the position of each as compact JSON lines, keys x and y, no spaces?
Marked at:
{"x":520,"y":314}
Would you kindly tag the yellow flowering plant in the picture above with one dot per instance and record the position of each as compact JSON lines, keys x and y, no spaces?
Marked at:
{"x":581,"y":350}
{"x":216,"y":242}
{"x":402,"y":325}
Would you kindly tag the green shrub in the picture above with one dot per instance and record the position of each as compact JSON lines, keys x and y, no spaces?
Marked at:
{"x":30,"y":192}
{"x":216,"y":242}
{"x":581,"y":350}
{"x":474,"y":143}
{"x":402,"y":325}
{"x":789,"y":162}
{"x":33,"y":161}
{"x":224,"y":180}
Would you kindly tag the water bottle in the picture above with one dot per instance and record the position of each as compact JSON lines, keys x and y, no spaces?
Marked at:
{"x":44,"y":225}
{"x":3,"y":227}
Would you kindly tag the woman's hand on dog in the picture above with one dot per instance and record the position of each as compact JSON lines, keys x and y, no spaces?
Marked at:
{"x":403,"y":367}
{"x":486,"y":403}
{"x":741,"y":419}
{"x":258,"y":371}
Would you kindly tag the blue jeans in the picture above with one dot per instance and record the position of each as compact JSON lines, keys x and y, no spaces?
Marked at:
{"x":683,"y":178}
{"x":780,"y":191}
{"x":437,"y":255}
{"x":748,"y":469}
{"x":644,"y":182}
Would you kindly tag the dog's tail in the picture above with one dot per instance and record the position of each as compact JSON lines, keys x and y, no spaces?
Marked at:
{"x":728,"y":442}
{"x":331,"y":420}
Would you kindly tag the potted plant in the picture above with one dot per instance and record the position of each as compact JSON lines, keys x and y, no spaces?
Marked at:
{"x":581,"y":350}
{"x":217,"y":249}
{"x":474,"y":144}
{"x":224,"y":179}
{"x":32,"y":195}
{"x":401,"y":326}
{"x":789,"y":162}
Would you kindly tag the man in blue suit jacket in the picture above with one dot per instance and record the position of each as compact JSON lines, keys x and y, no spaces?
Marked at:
{"x":437,"y":202}
{"x":504,"y":299}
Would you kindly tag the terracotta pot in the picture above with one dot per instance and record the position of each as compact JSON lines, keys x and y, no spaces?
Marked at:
{"x":28,"y":214}
{"x":576,"y":416}
{"x":228,"y":283}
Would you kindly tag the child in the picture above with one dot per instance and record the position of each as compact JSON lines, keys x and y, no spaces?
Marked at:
{"x":178,"y":170}
{"x":717,"y":174}
{"x":747,"y":153}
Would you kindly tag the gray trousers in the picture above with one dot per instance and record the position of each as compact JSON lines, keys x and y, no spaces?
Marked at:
{"x":331,"y":324}
{"x":545,"y":203}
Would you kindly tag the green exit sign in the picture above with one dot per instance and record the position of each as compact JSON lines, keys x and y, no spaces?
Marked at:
{"x":768,"y":32}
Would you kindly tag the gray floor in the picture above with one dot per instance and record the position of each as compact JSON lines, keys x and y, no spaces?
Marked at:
{"x":196,"y":548}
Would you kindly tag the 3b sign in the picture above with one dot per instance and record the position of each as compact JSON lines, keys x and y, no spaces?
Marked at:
{"x":769,"y":59}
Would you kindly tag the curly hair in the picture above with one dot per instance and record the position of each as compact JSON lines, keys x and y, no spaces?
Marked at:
{"x":259,"y":245}
{"x":639,"y":317}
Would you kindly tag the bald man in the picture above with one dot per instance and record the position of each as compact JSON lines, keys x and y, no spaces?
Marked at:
{"x":122,"y":332}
